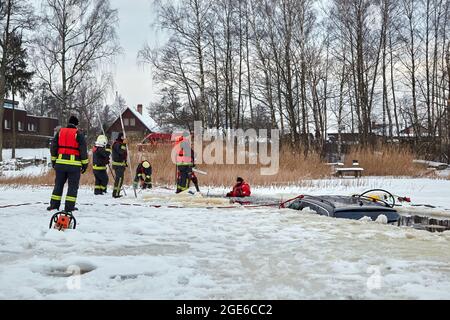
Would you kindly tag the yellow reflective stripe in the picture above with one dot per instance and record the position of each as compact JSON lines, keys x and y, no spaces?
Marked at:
{"x":54,"y":158}
{"x":123,"y":147}
{"x":85,"y":161}
{"x":98,"y":167}
{"x":69,"y":162}
{"x":55,"y":197}
{"x":108,"y":150}
{"x":118,"y":163}
{"x":71,"y":199}
{"x":100,"y":187}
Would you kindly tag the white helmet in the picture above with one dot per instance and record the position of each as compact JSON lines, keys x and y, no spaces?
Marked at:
{"x":146,"y":164}
{"x":102,"y":141}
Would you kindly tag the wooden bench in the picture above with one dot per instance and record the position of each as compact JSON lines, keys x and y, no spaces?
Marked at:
{"x":357,"y":172}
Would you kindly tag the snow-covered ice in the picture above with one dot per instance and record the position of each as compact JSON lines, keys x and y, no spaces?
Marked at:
{"x":39,"y":153}
{"x":27,"y":153}
{"x":143,"y":252}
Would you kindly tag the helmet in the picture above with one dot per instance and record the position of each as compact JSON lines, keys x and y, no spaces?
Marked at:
{"x":146,"y":164}
{"x":102,"y":141}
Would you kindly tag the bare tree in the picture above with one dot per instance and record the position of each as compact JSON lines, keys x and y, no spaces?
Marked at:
{"x":76,"y":36}
{"x":16,"y":16}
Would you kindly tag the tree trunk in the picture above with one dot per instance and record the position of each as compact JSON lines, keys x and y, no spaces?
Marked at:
{"x":447,"y":58}
{"x":3,"y":66}
{"x":13,"y":127}
{"x":394,"y":101}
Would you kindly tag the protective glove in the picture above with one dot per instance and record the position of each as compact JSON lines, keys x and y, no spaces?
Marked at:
{"x":83,"y":168}
{"x":53,"y":164}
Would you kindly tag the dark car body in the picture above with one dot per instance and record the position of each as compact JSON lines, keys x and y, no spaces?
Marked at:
{"x":346,"y":207}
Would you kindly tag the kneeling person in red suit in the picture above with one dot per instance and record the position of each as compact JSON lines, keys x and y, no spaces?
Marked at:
{"x":240,"y":189}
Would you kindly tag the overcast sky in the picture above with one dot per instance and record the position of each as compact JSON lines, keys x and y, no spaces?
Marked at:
{"x":134,"y":82}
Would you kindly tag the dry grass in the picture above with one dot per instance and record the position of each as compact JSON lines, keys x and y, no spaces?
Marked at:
{"x":386,"y":161}
{"x":294,"y":168}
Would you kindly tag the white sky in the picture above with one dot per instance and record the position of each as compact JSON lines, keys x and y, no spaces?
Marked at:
{"x":133,"y":81}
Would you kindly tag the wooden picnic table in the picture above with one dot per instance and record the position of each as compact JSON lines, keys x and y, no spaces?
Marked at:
{"x":357,"y":171}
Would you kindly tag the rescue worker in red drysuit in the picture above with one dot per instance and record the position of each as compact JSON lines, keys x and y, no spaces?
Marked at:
{"x":69,"y":159}
{"x":240,"y":189}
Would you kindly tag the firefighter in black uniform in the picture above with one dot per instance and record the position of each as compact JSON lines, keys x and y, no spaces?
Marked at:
{"x":143,"y":175}
{"x":119,"y":157}
{"x":69,"y":159}
{"x":100,"y":158}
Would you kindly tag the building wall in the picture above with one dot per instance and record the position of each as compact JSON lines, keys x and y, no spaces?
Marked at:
{"x":34,"y":131}
{"x":47,"y":126}
{"x":26,"y":141}
{"x":20,"y":115}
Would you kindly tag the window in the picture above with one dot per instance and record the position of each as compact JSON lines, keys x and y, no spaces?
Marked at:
{"x":20,"y":125}
{"x":31,"y":127}
{"x":126,"y":122}
{"x":132,"y":122}
{"x":7,"y":124}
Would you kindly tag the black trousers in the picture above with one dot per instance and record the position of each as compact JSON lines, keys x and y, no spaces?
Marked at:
{"x":101,"y":181}
{"x":66,"y":173}
{"x":184,"y":177}
{"x":120,"y":172}
{"x":145,"y":183}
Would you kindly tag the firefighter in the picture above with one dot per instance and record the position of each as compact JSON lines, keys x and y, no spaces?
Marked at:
{"x":240,"y":189}
{"x":100,"y":154}
{"x":119,"y":157}
{"x":143,"y":175}
{"x":69,"y":159}
{"x":184,"y":158}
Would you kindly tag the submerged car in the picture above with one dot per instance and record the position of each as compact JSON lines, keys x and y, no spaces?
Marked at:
{"x":371,"y":203}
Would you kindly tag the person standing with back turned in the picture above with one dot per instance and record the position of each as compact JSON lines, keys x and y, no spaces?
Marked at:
{"x":119,"y":158}
{"x":69,"y":159}
{"x":100,"y":159}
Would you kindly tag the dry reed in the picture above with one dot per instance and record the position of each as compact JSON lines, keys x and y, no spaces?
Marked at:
{"x":294,"y":168}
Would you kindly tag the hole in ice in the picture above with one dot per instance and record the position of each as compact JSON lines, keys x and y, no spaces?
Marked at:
{"x":75,"y":269}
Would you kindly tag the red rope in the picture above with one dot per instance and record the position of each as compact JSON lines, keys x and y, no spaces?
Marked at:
{"x":283,"y":204}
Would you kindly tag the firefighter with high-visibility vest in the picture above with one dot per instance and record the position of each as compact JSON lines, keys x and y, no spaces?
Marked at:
{"x":100,"y":160}
{"x":69,"y":159}
{"x":119,"y":158}
{"x":184,"y":159}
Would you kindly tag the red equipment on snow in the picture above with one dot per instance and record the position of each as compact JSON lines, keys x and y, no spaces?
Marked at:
{"x":62,"y":221}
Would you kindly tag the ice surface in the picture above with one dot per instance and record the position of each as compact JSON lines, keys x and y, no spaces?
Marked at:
{"x":124,"y":251}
